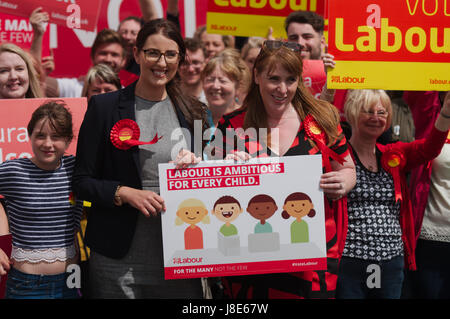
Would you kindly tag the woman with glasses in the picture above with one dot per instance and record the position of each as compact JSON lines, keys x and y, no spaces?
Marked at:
{"x":121,"y":180}
{"x":278,"y":101}
{"x":380,"y":240}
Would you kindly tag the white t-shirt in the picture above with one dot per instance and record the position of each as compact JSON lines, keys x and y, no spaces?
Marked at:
{"x":436,"y":221}
{"x":70,"y":87}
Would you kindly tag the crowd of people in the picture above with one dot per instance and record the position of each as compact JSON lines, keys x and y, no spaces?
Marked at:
{"x":386,"y":194}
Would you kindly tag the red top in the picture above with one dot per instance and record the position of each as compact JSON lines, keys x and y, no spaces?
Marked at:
{"x":415,"y":154}
{"x":193,"y":238}
{"x":307,"y":284}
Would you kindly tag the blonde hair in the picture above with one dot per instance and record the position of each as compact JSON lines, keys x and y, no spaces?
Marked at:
{"x":34,"y":88}
{"x":227,"y":40}
{"x":192,"y":202}
{"x":231,"y":63}
{"x":362,"y":100}
{"x":252,"y":43}
{"x":102,"y":72}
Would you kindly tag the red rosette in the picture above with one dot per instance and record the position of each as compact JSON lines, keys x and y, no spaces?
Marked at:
{"x":125,"y":134}
{"x":392,"y":162}
{"x":315,"y":132}
{"x":313,"y":129}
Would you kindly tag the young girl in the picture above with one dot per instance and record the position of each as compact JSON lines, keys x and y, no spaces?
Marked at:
{"x":42,"y":221}
{"x":298,"y":205}
{"x":192,"y":211}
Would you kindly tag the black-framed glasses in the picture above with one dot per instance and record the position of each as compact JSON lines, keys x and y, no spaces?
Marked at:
{"x":276,"y":44}
{"x":153,"y":55}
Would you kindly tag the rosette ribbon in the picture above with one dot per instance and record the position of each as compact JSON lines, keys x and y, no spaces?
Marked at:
{"x":392,"y":162}
{"x":316,"y":133}
{"x":125,"y":134}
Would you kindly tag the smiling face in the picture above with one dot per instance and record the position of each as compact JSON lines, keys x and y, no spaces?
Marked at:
{"x":47,"y":145}
{"x":213,"y":44}
{"x":298,"y":208}
{"x":190,"y":71}
{"x":111,"y":54}
{"x":14,"y":80}
{"x":129,"y":30}
{"x":305,"y":35}
{"x":220,"y":90}
{"x":157,"y":73}
{"x":262,"y":210}
{"x":277,"y":88}
{"x":227,"y":212}
{"x":192,"y":215}
{"x":372,"y":121}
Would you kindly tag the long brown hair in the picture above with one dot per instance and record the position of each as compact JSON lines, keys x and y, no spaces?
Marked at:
{"x":303,"y":101}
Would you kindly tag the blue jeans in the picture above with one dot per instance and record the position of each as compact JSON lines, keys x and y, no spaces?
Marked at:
{"x":26,"y":286}
{"x":356,"y":280}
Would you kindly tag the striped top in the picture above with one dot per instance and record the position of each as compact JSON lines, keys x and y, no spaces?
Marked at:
{"x":37,"y":202}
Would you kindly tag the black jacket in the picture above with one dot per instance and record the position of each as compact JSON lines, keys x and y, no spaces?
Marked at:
{"x":101,"y":167}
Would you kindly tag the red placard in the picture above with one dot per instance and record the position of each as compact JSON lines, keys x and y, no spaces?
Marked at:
{"x":384,"y":30}
{"x":14,"y":118}
{"x":390,"y":45}
{"x":314,"y":76}
{"x":266,"y":7}
{"x":19,"y":31}
{"x":82,"y":14}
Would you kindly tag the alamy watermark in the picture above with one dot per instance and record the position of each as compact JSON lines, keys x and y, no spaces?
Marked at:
{"x":374,"y":279}
{"x":218,"y":145}
{"x":74,"y":278}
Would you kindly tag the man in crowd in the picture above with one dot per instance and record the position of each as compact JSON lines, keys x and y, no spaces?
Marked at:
{"x":108,"y":48}
{"x":190,"y":71}
{"x":306,"y":28}
{"x":128,"y":30}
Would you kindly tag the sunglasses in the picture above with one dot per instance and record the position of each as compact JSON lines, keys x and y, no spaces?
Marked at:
{"x":276,"y":44}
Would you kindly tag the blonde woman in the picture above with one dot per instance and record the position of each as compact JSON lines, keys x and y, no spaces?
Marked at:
{"x":380,"y":219}
{"x":225,"y":82}
{"x":213,"y":43}
{"x":250,"y":51}
{"x":18,"y":77}
{"x":100,"y":79}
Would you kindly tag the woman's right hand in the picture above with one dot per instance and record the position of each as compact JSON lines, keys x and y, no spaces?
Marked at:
{"x":147,"y":202}
{"x":5,"y":263}
{"x":238,"y":156}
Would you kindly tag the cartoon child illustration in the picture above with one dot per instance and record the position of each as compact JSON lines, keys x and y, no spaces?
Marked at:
{"x":298,"y":205}
{"x":192,"y":211}
{"x":262,"y":207}
{"x":227,"y":209}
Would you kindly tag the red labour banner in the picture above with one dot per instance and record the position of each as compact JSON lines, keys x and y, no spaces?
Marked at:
{"x":79,"y":14}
